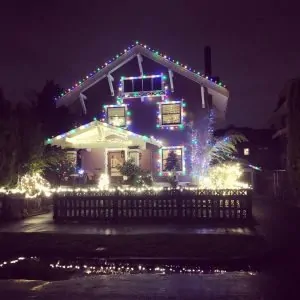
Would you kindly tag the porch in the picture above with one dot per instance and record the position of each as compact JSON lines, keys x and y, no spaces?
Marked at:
{"x":103,"y":148}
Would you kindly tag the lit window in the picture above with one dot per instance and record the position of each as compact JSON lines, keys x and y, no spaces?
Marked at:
{"x":116,"y":116}
{"x":172,"y":158}
{"x":171,"y":114}
{"x":246,"y":151}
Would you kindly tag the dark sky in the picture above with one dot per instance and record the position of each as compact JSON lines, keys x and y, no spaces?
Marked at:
{"x":255,"y":46}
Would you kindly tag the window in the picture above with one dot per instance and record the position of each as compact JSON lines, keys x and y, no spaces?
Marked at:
{"x":116,"y":116}
{"x":171,"y":114}
{"x":246,"y":151}
{"x":172,"y":158}
{"x":142,"y":84}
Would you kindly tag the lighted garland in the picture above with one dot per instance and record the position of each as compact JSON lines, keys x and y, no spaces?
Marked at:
{"x":163,"y":92}
{"x":119,"y":55}
{"x":31,"y":186}
{"x":223,"y":176}
{"x":49,"y":141}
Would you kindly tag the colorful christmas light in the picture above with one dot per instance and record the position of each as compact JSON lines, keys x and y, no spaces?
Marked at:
{"x":163,"y":92}
{"x":94,"y":123}
{"x":119,"y":55}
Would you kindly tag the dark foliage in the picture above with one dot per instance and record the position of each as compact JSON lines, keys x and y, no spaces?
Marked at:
{"x":23,"y":129}
{"x":135,"y":175}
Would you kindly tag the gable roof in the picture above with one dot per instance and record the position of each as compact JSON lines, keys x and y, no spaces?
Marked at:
{"x":98,"y":134}
{"x":215,"y":88}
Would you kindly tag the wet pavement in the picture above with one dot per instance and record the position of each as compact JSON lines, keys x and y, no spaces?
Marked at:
{"x":277,"y":222}
{"x":44,"y":223}
{"x":231,"y":286}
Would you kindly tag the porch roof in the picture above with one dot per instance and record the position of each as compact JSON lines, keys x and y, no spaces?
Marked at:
{"x":98,"y":134}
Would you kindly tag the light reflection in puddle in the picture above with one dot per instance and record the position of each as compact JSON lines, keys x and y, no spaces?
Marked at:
{"x":102,"y":267}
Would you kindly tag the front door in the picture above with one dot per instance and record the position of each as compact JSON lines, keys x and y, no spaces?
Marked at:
{"x":115,"y":158}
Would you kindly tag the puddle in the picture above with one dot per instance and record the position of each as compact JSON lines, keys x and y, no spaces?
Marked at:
{"x":36,"y":268}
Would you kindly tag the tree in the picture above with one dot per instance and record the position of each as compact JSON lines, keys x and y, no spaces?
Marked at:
{"x":23,"y":130}
{"x":136,"y":176}
{"x":206,"y":150}
{"x":172,"y":162}
{"x":53,"y":120}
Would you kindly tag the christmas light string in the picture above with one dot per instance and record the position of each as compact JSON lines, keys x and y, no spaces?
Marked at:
{"x":162,"y":92}
{"x":119,"y":55}
{"x":95,"y":123}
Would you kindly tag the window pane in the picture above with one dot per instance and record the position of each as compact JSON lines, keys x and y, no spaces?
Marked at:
{"x":157,"y":83}
{"x":127,"y":86}
{"x":171,"y":108}
{"x":137,"y":85}
{"x":147,"y":84}
{"x":171,"y":119}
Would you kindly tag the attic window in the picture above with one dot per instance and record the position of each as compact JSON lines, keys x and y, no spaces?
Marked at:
{"x":116,"y":116}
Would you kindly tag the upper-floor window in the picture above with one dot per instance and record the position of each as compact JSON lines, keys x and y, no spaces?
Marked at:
{"x":116,"y":116}
{"x":170,"y":114}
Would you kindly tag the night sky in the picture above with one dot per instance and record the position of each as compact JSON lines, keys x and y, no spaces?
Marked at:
{"x":255,"y":47}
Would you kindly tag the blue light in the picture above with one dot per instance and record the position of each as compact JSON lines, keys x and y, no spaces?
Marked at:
{"x":80,"y":171}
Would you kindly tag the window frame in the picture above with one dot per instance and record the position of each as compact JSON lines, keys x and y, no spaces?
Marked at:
{"x":108,"y":118}
{"x":162,"y":159}
{"x":161,"y":115}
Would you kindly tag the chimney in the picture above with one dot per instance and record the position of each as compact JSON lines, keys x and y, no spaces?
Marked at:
{"x":207,"y":61}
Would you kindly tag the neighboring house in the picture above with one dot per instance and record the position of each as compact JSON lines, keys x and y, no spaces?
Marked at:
{"x":260,"y":151}
{"x":279,"y":118}
{"x":147,"y":119}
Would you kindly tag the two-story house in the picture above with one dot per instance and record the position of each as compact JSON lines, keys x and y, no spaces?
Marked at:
{"x":145,"y":115}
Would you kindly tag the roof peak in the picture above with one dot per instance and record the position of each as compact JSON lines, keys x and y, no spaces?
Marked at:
{"x":129,"y":53}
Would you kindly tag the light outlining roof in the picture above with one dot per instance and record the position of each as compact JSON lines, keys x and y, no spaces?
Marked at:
{"x":98,"y":134}
{"x":216,"y":89}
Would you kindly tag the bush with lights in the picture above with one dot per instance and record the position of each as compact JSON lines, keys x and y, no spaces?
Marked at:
{"x":223,"y":176}
{"x":34,"y":185}
{"x":135,"y":175}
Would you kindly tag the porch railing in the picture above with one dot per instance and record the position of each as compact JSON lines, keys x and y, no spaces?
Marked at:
{"x":179,"y":206}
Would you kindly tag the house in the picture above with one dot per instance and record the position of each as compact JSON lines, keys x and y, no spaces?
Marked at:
{"x":144,"y":118}
{"x":260,"y":150}
{"x":285,"y":121}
